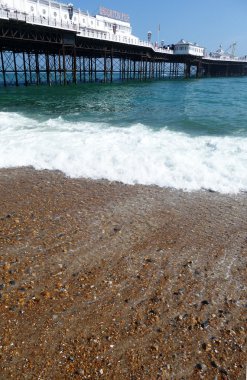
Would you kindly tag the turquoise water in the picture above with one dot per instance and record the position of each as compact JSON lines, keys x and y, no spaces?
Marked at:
{"x":197,"y":107}
{"x":152,"y":128}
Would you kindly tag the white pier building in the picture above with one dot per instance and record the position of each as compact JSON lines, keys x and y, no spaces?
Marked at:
{"x":188,"y":48}
{"x":107,"y":25}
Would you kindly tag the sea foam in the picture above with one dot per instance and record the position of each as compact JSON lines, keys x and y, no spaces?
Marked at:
{"x":134,"y":154}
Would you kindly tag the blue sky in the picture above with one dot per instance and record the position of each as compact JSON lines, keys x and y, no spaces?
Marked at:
{"x":209,"y":22}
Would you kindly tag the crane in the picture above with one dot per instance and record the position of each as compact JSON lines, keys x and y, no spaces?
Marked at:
{"x":231,"y":49}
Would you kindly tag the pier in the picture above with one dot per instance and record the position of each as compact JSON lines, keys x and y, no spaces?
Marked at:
{"x":60,"y":50}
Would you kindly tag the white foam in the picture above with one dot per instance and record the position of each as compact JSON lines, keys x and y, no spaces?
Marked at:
{"x":136,"y":154}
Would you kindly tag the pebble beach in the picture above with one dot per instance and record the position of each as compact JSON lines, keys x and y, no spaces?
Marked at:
{"x":102,"y":280}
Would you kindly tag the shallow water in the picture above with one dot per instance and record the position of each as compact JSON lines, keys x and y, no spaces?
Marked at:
{"x":188,"y":134}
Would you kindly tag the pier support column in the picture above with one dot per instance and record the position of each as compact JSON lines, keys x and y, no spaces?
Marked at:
{"x":128,"y":69}
{"x":59,"y":67}
{"x":152,"y":69}
{"x":47,"y":63}
{"x":37,"y":69}
{"x":134,"y":70}
{"x":162,"y":69}
{"x":207,"y":71}
{"x":105,"y":68}
{"x":29,"y":68}
{"x":80,"y":70}
{"x":64,"y":67}
{"x":227,"y":70}
{"x":159,"y":69}
{"x":122,"y":68}
{"x":15,"y":68}
{"x":74,"y":66}
{"x":146,"y":69}
{"x":84,"y":70}
{"x":187,"y":70}
{"x":55,"y":68}
{"x":90,"y":65}
{"x":111,"y":66}
{"x":243,"y":70}
{"x":199,"y":70}
{"x":3,"y":70}
{"x":140,"y":70}
{"x":24,"y":68}
{"x":95,"y":69}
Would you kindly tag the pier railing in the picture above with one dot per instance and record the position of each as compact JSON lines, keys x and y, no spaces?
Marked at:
{"x":130,"y":40}
{"x":31,"y":19}
{"x":226,"y":58}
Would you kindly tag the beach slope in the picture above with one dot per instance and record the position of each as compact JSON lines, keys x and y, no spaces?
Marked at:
{"x":101,"y":280}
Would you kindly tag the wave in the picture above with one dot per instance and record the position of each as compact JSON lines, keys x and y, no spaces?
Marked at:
{"x":134,"y":154}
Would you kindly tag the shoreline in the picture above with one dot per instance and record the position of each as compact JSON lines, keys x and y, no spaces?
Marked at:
{"x":113,"y":281}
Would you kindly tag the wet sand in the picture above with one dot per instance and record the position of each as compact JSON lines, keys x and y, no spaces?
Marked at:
{"x":101,"y":280}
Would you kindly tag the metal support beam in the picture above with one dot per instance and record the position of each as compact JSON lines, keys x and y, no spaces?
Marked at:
{"x":3,"y":70}
{"x":37,"y":69}
{"x":15,"y":68}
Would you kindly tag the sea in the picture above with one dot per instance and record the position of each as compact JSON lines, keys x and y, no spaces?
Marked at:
{"x":181,"y":134}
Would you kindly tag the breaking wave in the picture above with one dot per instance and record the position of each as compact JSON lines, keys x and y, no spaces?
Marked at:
{"x":133,"y":154}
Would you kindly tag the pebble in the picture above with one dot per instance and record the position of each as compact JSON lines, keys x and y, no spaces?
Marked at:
{"x":115,"y":229}
{"x":223,"y":370}
{"x":214,"y":364}
{"x":155,"y":347}
{"x":159,"y":250}
{"x":206,"y":346}
{"x":79,"y":371}
{"x":201,"y":366}
{"x":205,"y":324}
{"x":179,"y":292}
